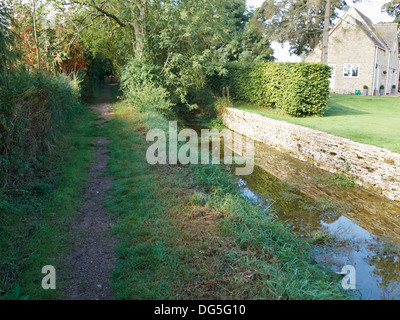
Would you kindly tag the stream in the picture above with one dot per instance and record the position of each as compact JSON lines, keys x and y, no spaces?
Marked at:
{"x":349,"y":224}
{"x":352,"y":226}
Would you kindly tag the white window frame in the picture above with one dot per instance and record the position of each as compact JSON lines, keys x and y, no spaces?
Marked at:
{"x":351,"y":65}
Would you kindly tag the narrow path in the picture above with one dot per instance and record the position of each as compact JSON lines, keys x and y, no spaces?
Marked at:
{"x":92,"y":259}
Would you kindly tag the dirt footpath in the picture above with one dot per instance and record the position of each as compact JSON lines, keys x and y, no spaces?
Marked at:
{"x":92,"y":260}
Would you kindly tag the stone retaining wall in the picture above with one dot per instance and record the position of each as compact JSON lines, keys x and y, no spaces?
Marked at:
{"x":372,"y":167}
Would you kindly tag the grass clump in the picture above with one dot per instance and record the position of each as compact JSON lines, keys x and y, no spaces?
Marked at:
{"x":339,"y":180}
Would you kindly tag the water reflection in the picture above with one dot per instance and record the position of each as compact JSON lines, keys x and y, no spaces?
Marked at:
{"x":365,"y":233}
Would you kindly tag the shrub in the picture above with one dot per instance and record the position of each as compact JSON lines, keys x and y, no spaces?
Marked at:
{"x":149,"y":97}
{"x":138,"y":73}
{"x":35,"y":110}
{"x":299,"y":89}
{"x":221,"y":104}
{"x":141,"y":88}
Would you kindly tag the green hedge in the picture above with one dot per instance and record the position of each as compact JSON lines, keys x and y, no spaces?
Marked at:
{"x":299,"y":89}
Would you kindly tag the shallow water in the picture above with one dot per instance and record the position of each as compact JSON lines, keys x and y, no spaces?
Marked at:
{"x":350,"y":225}
{"x":361,"y":228}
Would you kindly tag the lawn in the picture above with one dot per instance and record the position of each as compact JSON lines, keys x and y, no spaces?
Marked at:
{"x":371,"y":120}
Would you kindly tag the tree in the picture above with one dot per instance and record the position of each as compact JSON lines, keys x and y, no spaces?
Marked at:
{"x":183,"y":40}
{"x":325,"y":36}
{"x":301,"y":23}
{"x":7,"y":36}
{"x":35,"y":33}
{"x":393,"y":9}
{"x":44,"y":37}
{"x":248,"y":44}
{"x":126,"y":14}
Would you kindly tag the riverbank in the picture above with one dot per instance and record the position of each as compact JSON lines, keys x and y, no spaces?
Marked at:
{"x":188,"y":232}
{"x":374,"y":168}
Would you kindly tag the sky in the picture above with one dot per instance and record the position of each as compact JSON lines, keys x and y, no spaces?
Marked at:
{"x":370,"y":8}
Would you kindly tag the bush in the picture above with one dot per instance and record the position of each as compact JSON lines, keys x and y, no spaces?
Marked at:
{"x":299,"y":89}
{"x":141,"y":88}
{"x":138,"y":73}
{"x":149,"y":97}
{"x":35,"y":109}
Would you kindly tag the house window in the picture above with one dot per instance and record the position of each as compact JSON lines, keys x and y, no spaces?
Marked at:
{"x":351,"y":70}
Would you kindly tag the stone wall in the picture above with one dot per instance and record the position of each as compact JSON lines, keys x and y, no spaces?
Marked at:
{"x":374,"y":168}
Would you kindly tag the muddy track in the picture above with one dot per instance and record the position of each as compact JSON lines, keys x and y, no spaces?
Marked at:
{"x":92,"y":258}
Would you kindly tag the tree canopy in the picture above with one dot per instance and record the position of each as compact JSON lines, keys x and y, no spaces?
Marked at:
{"x":182,"y":40}
{"x":185,"y":40}
{"x":393,"y":9}
{"x":297,"y":22}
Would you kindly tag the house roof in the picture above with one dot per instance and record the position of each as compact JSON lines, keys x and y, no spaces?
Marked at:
{"x":388,"y":31}
{"x":371,"y":29}
{"x":383,"y":35}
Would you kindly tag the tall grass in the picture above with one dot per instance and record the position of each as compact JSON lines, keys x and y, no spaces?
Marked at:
{"x":45,"y":151}
{"x":293,"y":272}
{"x":36,"y":111}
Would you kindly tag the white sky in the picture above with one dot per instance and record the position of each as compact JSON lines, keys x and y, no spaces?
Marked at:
{"x":371,"y":8}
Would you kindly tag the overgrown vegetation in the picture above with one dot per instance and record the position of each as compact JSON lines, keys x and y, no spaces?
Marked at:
{"x":36,"y":111}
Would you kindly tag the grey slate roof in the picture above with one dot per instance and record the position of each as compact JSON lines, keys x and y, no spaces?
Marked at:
{"x":388,"y":31}
{"x":382,"y":34}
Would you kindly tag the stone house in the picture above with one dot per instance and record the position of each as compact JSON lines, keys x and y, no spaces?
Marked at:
{"x":361,"y":54}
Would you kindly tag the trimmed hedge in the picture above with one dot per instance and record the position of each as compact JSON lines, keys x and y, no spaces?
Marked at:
{"x":299,"y":89}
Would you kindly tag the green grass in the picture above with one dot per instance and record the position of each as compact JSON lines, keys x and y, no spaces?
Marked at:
{"x":35,"y":218}
{"x":370,"y":120}
{"x":187,"y":233}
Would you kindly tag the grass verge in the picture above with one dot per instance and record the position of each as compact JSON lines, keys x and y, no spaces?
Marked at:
{"x":187,"y":233}
{"x":35,"y":218}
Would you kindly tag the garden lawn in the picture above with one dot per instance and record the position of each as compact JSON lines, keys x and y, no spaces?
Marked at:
{"x":370,"y":120}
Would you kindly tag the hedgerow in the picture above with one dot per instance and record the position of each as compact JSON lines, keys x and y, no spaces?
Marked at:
{"x":35,"y":110}
{"x":299,"y":89}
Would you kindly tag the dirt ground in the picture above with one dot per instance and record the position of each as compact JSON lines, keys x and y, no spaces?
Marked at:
{"x":92,"y":259}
